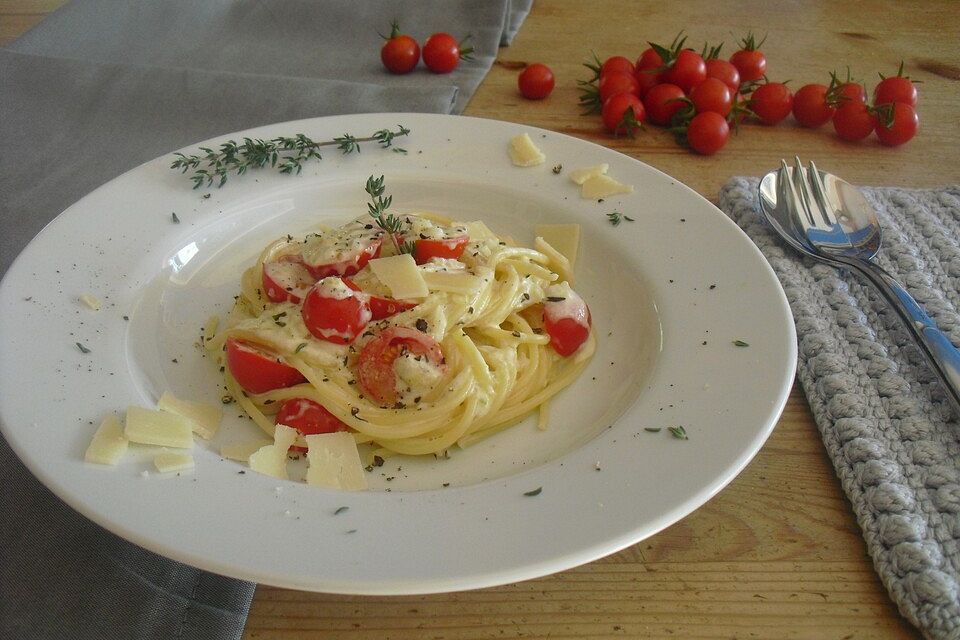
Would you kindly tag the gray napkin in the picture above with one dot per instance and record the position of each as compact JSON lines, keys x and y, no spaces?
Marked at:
{"x":885,"y":421}
{"x":102,"y":86}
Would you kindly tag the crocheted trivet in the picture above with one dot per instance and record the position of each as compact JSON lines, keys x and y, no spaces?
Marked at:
{"x":885,"y":421}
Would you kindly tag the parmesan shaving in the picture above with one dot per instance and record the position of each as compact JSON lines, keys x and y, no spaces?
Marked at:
{"x":400,"y":274}
{"x":271,"y":460}
{"x":168,"y":462}
{"x":205,"y":417}
{"x":334,"y":462}
{"x":523,"y":153}
{"x":108,"y":444}
{"x":160,"y":428}
{"x":90,"y":300}
{"x":582,"y":175}
{"x":602,"y":186}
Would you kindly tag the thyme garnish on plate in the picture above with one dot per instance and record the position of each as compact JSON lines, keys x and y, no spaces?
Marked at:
{"x":285,"y":153}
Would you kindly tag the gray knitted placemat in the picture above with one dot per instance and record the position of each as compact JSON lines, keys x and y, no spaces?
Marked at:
{"x":886,"y":423}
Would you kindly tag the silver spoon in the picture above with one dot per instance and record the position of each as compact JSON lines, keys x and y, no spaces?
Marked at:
{"x":828,"y":219}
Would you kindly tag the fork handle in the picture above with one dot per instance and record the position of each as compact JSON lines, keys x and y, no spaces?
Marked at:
{"x":943,"y":357}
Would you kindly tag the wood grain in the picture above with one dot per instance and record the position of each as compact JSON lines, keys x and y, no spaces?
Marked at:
{"x":777,"y":554}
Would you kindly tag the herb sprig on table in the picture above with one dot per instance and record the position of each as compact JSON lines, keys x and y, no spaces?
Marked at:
{"x":284,"y":153}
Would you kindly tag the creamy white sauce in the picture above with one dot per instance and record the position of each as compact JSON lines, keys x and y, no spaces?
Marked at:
{"x":415,"y":376}
{"x":335,"y":288}
{"x":570,"y":306}
{"x":340,"y":245}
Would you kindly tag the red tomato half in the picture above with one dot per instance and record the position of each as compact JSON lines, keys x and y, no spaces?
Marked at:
{"x":375,"y":365}
{"x":334,"y":312}
{"x":308,"y":417}
{"x":257,"y":370}
{"x":382,"y":307}
{"x":448,"y":248}
{"x":567,"y":322}
{"x":285,"y":280}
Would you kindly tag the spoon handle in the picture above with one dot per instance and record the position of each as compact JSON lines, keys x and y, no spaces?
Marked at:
{"x":936,"y":346}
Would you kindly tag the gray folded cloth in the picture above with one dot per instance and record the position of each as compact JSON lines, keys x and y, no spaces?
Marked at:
{"x":102,"y":86}
{"x":885,"y":421}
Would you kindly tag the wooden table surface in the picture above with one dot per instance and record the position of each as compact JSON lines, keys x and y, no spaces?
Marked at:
{"x":777,"y":554}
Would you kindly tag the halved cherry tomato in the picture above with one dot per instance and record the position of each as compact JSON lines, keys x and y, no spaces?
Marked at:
{"x":382,"y":307}
{"x":448,"y":248}
{"x":567,"y":322}
{"x":342,"y":252}
{"x":257,"y":370}
{"x":308,"y":417}
{"x":375,"y":365}
{"x":334,"y":312}
{"x":286,"y":280}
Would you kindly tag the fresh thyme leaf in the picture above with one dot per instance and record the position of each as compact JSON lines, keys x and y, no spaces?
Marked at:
{"x":534,"y":492}
{"x":82,"y":348}
{"x":679,"y":432}
{"x":628,"y":218}
{"x":653,"y":429}
{"x":300,"y":347}
{"x":741,"y":343}
{"x":340,"y":510}
{"x":378,"y":206}
{"x":408,"y":247}
{"x":287,"y":154}
{"x":175,"y":218}
{"x":614,"y":217}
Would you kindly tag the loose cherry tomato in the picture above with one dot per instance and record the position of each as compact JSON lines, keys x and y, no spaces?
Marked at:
{"x":623,"y":114}
{"x":400,"y":53}
{"x":712,"y":95}
{"x":707,"y":133}
{"x":772,"y":102}
{"x":617,"y":82}
{"x":375,"y":370}
{"x":898,"y":122}
{"x":342,"y":252}
{"x":308,"y":417}
{"x":257,"y":370}
{"x":810,"y":106}
{"x":286,"y":280}
{"x":898,"y":88}
{"x":381,"y":307}
{"x":724,"y":71}
{"x":567,"y":321}
{"x":442,"y":53}
{"x":687,"y":71}
{"x":334,"y":312}
{"x":854,"y":121}
{"x":662,"y":102}
{"x":616,"y":63}
{"x":749,"y":60}
{"x":647,"y":70}
{"x":448,"y":248}
{"x":536,"y":82}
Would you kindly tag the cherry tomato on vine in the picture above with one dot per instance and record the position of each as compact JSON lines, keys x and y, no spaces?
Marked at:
{"x":442,"y":53}
{"x":687,"y":71}
{"x":662,"y":102}
{"x":646,"y":70}
{"x":707,"y":133}
{"x":400,"y":53}
{"x":810,"y":106}
{"x":616,"y":82}
{"x":623,"y":114}
{"x":725,"y":72}
{"x":772,"y":102}
{"x":616,"y":63}
{"x":712,"y":95}
{"x":749,"y":60}
{"x":536,"y":82}
{"x":897,"y":123}
{"x":898,"y":88}
{"x":854,"y":121}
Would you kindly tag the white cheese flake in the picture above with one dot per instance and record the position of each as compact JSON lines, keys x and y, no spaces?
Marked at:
{"x":241,"y":451}
{"x":205,"y":417}
{"x":602,"y":186}
{"x":582,"y":175}
{"x":145,"y":426}
{"x":90,"y":300}
{"x":335,"y":462}
{"x":523,"y":153}
{"x":400,"y":274}
{"x":271,"y":460}
{"x":168,"y":462}
{"x":108,"y":444}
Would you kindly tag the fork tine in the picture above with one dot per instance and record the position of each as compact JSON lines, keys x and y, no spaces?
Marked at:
{"x":819,"y":194}
{"x":802,"y":192}
{"x":786,"y":192}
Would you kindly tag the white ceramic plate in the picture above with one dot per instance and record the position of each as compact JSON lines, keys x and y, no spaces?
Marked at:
{"x":670,"y":292}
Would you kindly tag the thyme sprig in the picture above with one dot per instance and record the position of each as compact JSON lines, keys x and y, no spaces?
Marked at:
{"x":377,"y":208}
{"x":288,"y":154}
